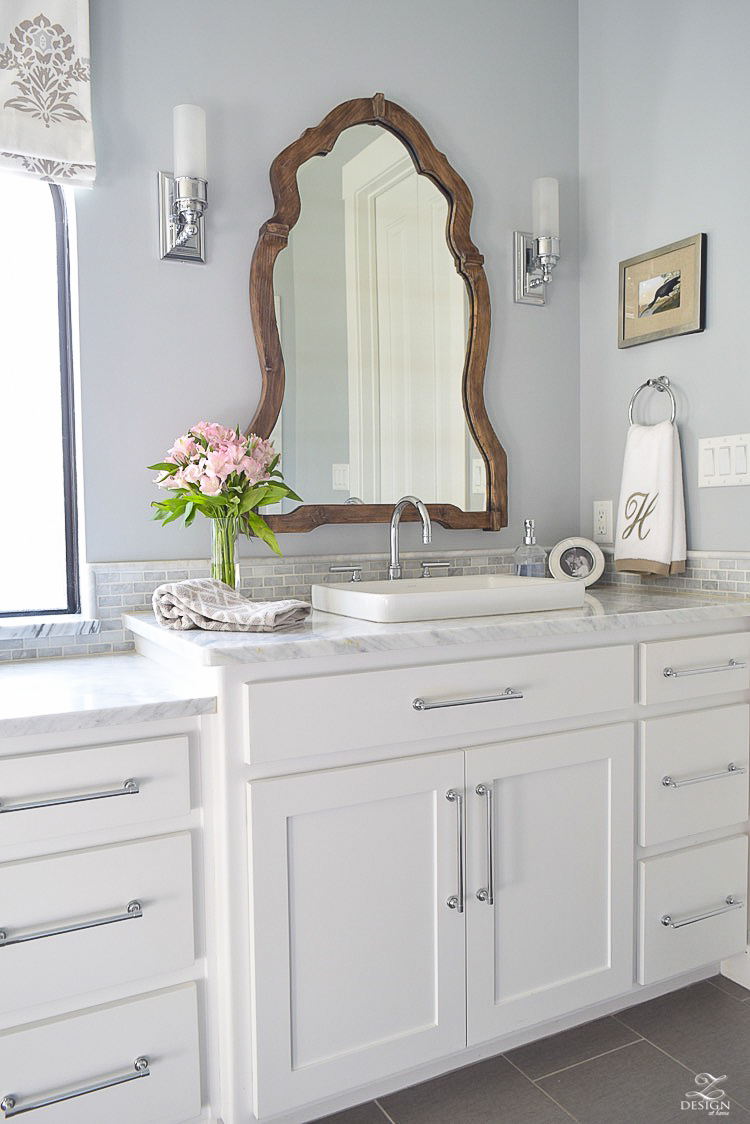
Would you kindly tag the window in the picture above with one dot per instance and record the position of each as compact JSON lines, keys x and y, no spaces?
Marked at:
{"x":38,"y":556}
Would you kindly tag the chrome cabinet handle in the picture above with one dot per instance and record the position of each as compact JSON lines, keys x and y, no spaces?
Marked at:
{"x":487,"y":894}
{"x":731,"y":770}
{"x":508,"y":693}
{"x":129,"y":787}
{"x":10,"y":1106}
{"x":456,"y":901}
{"x":674,"y":673}
{"x":731,"y":903}
{"x":133,"y":910}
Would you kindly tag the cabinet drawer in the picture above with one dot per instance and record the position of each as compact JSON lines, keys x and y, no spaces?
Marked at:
{"x":62,"y":1057}
{"x":686,"y":919}
{"x":329,"y":713}
{"x":80,"y":892}
{"x":673,"y":670}
{"x":45,"y":795}
{"x":693,"y":773}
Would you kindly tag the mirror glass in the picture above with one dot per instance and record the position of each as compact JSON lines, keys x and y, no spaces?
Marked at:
{"x":373,"y":320}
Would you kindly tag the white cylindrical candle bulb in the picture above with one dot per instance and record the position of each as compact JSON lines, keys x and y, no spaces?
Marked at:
{"x":545,"y":207}
{"x":189,"y":123}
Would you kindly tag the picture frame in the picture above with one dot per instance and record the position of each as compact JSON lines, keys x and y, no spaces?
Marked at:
{"x":576,"y":560}
{"x":663,"y":293}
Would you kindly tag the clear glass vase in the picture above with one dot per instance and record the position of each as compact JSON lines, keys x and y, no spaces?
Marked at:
{"x":225,"y":565}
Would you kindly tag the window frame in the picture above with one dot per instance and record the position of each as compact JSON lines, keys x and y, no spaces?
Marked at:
{"x":65,"y":331}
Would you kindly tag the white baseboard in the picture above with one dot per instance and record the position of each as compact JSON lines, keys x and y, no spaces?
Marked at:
{"x":737,"y":968}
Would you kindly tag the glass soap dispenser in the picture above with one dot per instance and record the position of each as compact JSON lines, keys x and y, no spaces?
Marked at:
{"x":529,"y":559}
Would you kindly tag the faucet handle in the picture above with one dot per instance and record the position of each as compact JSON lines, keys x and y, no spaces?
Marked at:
{"x":355,"y":571}
{"x":437,"y":563}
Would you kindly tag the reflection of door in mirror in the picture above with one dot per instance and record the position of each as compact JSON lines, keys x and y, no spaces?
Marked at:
{"x":373,"y":330}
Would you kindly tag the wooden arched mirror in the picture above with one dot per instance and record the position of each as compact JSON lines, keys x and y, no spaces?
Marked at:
{"x":371,"y":314}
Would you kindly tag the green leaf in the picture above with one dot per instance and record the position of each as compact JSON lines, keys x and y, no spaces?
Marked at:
{"x":163,"y":466}
{"x":263,"y":531}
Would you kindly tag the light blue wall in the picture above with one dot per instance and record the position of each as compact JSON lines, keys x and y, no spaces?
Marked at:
{"x":665,"y":153}
{"x":165,"y":344}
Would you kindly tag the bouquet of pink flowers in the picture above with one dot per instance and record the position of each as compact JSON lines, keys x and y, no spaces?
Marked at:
{"x":223,"y":474}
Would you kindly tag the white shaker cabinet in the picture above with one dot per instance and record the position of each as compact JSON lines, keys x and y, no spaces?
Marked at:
{"x":550,"y":830}
{"x":369,"y":913}
{"x":357,"y":960}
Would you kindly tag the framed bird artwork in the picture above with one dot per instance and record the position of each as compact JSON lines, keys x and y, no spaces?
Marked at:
{"x":663,"y":293}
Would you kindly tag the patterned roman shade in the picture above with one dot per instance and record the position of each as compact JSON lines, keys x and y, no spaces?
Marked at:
{"x":45,"y":90}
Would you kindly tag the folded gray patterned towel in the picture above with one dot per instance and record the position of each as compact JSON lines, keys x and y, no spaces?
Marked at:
{"x":212,"y":605}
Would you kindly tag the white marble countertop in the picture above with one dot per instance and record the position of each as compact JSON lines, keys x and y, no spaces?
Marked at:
{"x":43,"y":696}
{"x":606,"y":609}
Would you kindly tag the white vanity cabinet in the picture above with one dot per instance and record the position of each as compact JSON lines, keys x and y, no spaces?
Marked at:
{"x":99,"y":838}
{"x":433,"y":845}
{"x":406,"y":909}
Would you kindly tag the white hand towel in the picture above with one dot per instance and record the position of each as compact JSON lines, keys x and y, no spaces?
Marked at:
{"x":650,"y":536}
{"x":212,"y":605}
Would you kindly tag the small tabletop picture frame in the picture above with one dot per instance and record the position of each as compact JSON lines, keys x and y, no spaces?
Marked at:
{"x":576,"y":560}
{"x":663,"y":293}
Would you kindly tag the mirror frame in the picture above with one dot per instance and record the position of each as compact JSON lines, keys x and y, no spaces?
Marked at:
{"x":273,"y":237}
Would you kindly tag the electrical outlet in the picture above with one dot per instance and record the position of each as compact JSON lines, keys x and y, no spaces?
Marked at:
{"x":603,"y":521}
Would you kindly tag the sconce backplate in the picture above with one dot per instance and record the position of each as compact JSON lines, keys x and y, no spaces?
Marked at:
{"x":523,"y":255}
{"x":194,"y":248}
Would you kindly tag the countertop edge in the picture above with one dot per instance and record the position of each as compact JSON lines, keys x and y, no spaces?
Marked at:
{"x":344,"y":636}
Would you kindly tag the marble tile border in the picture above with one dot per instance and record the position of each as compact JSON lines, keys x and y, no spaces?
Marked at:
{"x":128,"y":586}
{"x":720,"y":573}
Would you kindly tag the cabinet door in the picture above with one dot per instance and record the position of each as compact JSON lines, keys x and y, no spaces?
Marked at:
{"x":559,"y":933}
{"x":358,"y":961}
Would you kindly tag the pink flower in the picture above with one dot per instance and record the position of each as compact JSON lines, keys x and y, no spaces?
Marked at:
{"x":219,"y":463}
{"x":191,"y":473}
{"x":250,"y":469}
{"x":183,"y":448}
{"x":210,"y":485}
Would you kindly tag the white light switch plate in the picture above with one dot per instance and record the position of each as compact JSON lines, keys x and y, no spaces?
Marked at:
{"x":723,"y":461}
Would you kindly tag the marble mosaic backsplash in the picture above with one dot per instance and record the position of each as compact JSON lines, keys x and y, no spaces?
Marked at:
{"x":128,"y":587}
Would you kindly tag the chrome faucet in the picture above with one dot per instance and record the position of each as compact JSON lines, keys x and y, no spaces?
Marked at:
{"x":394,"y":569}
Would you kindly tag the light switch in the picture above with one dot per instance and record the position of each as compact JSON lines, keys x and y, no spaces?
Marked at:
{"x":340,"y":477}
{"x":723,"y":461}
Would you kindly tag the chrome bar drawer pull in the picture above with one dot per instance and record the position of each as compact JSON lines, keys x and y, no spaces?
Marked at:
{"x":731,"y":770}
{"x":133,"y":910}
{"x":10,"y":1106}
{"x":456,"y":901}
{"x":731,"y":903}
{"x":508,"y":693}
{"x":674,"y":673}
{"x":487,"y":895}
{"x":129,"y":787}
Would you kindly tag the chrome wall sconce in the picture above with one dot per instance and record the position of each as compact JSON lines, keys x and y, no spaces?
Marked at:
{"x":183,"y":195}
{"x":536,"y":255}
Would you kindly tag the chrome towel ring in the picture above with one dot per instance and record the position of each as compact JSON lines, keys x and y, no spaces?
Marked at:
{"x":661,"y":384}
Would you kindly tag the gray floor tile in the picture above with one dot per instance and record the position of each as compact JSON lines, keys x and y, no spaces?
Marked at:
{"x":730,"y":987}
{"x":490,"y":1092}
{"x":361,"y":1114}
{"x":636,"y":1083}
{"x":579,"y":1044}
{"x":704,"y":1028}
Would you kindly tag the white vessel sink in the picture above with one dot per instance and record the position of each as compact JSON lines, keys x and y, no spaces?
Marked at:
{"x":433,"y":599}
